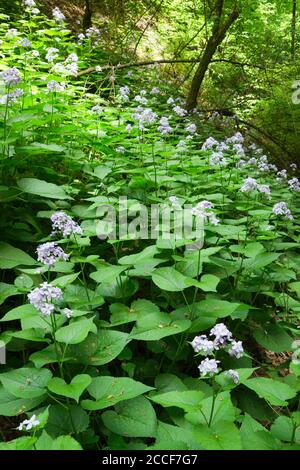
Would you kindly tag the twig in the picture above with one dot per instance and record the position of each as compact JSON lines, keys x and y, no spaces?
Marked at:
{"x":166,"y":61}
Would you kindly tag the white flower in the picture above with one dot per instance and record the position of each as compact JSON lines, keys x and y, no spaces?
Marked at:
{"x":202,"y":210}
{"x":170,"y":101}
{"x":164,"y":127}
{"x":294,"y":184}
{"x":48,"y":253}
{"x":97,"y":109}
{"x":67,"y":312}
{"x":98,"y":68}
{"x":24,"y":42}
{"x":236,"y":349}
{"x":28,"y":424}
{"x":217,"y":158}
{"x":209,"y":143}
{"x":12,"y":33}
{"x":221,"y":333}
{"x":181,"y":144}
{"x":208,"y":367}
{"x":42,"y":298}
{"x":120,"y":149}
{"x":235,"y":139}
{"x":54,"y":86}
{"x":264,"y":189}
{"x":72,"y":57}
{"x":282,"y":209}
{"x":155,"y":91}
{"x":233,"y":375}
{"x":58,"y":15}
{"x":144,"y":117}
{"x":179,"y":111}
{"x":52,"y":54}
{"x":141,"y":99}
{"x":29,"y":3}
{"x":201,"y":344}
{"x":11,"y":76}
{"x":249,"y":184}
{"x":191,"y":128}
{"x":239,"y":150}
{"x":63,"y":223}
{"x":252,"y":161}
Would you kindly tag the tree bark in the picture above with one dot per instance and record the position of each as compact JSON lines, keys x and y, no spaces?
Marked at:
{"x":87,"y":19}
{"x":294,"y":18}
{"x":217,"y":37}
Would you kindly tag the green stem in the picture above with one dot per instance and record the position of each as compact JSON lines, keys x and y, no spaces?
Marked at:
{"x":212,"y":409}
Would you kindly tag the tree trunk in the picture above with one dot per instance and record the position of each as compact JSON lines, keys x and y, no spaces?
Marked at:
{"x":217,"y":37}
{"x":87,"y":19}
{"x":294,"y":17}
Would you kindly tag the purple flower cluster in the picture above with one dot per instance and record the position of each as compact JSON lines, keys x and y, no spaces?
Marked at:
{"x":42,"y":298}
{"x":281,"y":209}
{"x":11,"y":76}
{"x":219,"y":337}
{"x":48,"y":253}
{"x":164,"y":126}
{"x":202,"y":209}
{"x":64,"y":224}
{"x":12,"y":96}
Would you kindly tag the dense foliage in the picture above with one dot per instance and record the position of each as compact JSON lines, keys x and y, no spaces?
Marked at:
{"x":150,"y":342}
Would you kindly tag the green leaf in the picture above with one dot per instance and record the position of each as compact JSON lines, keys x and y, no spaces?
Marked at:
{"x":140,"y":258}
{"x":26,"y":382}
{"x":255,"y":436}
{"x":111,"y":343}
{"x":169,"y":279}
{"x":295,"y":287}
{"x":107,"y":273}
{"x":64,"y":281}
{"x":46,"y":442}
{"x":101,"y":171}
{"x":259,"y":262}
{"x":223,"y":410}
{"x":108,"y":391}
{"x":7,"y":290}
{"x":17,"y":313}
{"x":157,"y":325}
{"x":71,"y":420}
{"x":48,"y":355}
{"x":273,"y":391}
{"x":208,"y":283}
{"x":10,"y":257}
{"x":72,"y":390}
{"x":76,"y":332}
{"x":42,"y":188}
{"x":228,"y":384}
{"x":188,"y":400}
{"x":12,"y":406}
{"x":65,"y":443}
{"x":274,"y":338}
{"x":283,"y":429}
{"x":167,"y":433}
{"x":221,"y":436}
{"x":132,"y":418}
{"x":21,"y":443}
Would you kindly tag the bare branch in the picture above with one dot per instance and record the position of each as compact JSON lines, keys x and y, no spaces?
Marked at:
{"x":165,"y":61}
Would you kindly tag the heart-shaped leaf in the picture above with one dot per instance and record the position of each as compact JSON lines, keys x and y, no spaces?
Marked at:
{"x":73,"y":390}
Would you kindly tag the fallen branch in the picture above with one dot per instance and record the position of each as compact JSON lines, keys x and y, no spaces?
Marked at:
{"x":165,"y":61}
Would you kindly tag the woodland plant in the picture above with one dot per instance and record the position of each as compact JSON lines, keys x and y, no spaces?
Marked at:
{"x":121,"y":343}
